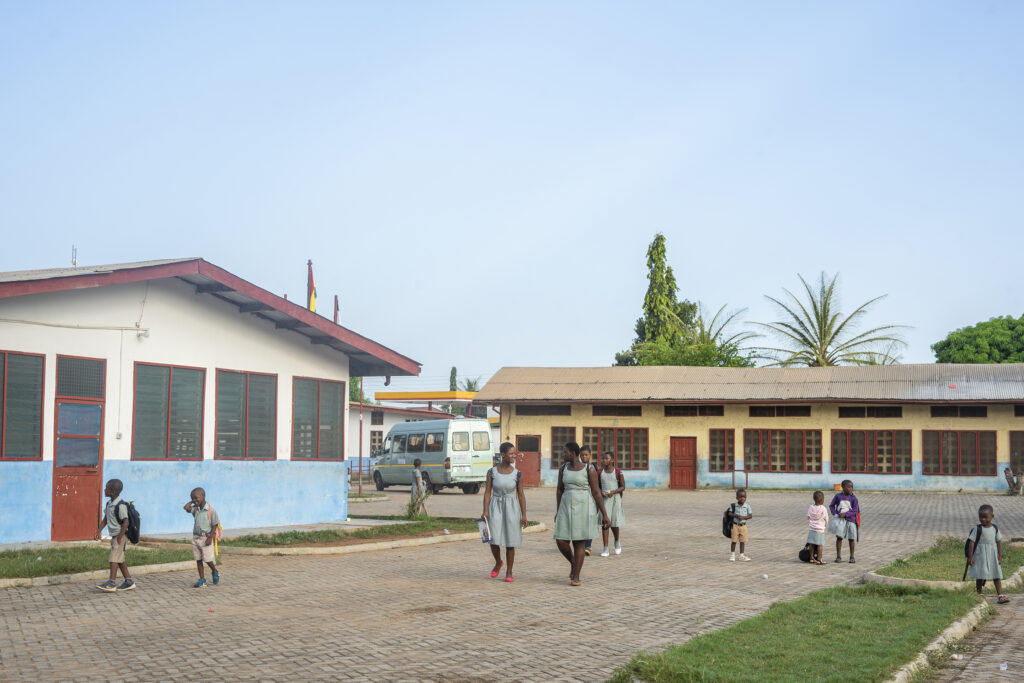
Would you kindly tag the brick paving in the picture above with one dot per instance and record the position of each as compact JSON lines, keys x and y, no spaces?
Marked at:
{"x":1000,"y":641}
{"x":433,"y":613}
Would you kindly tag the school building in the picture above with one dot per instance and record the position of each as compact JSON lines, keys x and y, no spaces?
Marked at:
{"x":170,"y":375}
{"x":942,"y":427}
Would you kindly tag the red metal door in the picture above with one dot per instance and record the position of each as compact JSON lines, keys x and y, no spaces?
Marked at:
{"x":682,"y":473}
{"x":77,"y":469}
{"x":528,"y":462}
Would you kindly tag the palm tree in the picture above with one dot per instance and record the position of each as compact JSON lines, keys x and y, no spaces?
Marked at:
{"x":712,"y":332}
{"x":815,"y":333}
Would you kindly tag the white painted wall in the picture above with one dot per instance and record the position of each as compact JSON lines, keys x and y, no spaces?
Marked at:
{"x":184,"y":329}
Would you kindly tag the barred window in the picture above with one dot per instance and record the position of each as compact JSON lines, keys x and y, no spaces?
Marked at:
{"x":630,"y":445}
{"x":1017,"y":451}
{"x":540,"y":410}
{"x":694,"y":411}
{"x":318,"y":427}
{"x":559,"y":437}
{"x":21,"y":406}
{"x":959,"y":411}
{"x":875,"y":452}
{"x":721,"y":450}
{"x":617,"y":411}
{"x":871,"y":411}
{"x":782,"y":450}
{"x":779,"y":411}
{"x":168,"y":420}
{"x":246,"y":415}
{"x":959,"y":452}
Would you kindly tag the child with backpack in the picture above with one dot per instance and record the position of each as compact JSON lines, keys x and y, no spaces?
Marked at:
{"x":205,"y":530}
{"x":846,"y":519}
{"x":612,"y":486}
{"x":739,"y":512}
{"x":817,"y":520}
{"x":985,"y":553}
{"x":585,"y":458}
{"x":115,"y":518}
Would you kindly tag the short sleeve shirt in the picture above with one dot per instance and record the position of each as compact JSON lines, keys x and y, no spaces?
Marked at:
{"x":116,"y":508}
{"x":202,"y":517}
{"x":743,"y":510}
{"x":990,"y":535}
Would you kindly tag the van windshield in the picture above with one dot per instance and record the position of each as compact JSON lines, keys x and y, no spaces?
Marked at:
{"x":415,"y":443}
{"x":460,"y":441}
{"x":435,"y":442}
{"x":399,"y":444}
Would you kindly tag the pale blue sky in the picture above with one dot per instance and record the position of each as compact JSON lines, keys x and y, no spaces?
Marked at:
{"x":479,"y":181}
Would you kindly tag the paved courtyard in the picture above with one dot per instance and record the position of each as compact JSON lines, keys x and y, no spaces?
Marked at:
{"x":433,"y":613}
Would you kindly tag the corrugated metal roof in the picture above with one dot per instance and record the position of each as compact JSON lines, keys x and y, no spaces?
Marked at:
{"x":895,"y":383}
{"x":49,"y":273}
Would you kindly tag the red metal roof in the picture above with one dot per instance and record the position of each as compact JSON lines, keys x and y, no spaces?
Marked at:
{"x":367,"y":358}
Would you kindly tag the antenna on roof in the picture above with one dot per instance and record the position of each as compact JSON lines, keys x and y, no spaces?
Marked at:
{"x":74,"y":256}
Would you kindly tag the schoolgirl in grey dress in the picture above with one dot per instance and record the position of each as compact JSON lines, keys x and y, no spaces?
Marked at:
{"x":612,"y":486}
{"x":505,"y":510}
{"x":985,"y":554}
{"x":578,"y":498}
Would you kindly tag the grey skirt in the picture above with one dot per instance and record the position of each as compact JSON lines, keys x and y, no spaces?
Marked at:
{"x":816,"y":537}
{"x":843,"y":528}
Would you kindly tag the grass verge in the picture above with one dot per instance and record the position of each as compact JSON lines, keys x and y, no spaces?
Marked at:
{"x":886,"y":626}
{"x":30,"y":563}
{"x":410,"y":528}
{"x":944,"y":561}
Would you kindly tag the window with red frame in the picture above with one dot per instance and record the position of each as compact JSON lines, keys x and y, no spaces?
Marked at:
{"x":874,"y":452}
{"x":629,"y":445}
{"x":246,"y":415}
{"x":721,"y":450}
{"x":782,"y":450}
{"x":168,"y":416}
{"x":1017,"y":451}
{"x":318,"y":407}
{"x":559,"y":437}
{"x":959,"y":452}
{"x":21,"y":406}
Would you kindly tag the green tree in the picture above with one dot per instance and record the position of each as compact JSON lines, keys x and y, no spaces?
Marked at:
{"x":665,"y":317}
{"x":706,"y":342}
{"x":813,"y":332}
{"x":453,"y":380}
{"x":997,"y":340}
{"x":353,"y":389}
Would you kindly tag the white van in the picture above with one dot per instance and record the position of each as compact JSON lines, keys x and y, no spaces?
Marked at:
{"x":453,"y":453}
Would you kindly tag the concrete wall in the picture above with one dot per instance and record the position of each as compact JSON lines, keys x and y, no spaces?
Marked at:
{"x":824,"y":417}
{"x":183,"y":329}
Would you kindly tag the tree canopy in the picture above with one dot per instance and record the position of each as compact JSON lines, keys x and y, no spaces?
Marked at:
{"x":814,"y":332}
{"x":998,"y":340}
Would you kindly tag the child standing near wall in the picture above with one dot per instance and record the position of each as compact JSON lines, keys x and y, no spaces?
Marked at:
{"x":115,"y":518}
{"x":741,"y":513}
{"x":817,"y":520}
{"x":985,"y":553}
{"x":846,"y":519}
{"x":204,"y":528}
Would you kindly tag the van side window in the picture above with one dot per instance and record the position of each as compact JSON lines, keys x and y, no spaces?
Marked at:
{"x":435,"y":442}
{"x":481,"y":441}
{"x":399,"y":444}
{"x":387,"y":446}
{"x":460,"y":441}
{"x":415,"y":443}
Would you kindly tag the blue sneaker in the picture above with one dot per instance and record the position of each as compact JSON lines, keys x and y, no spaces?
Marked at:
{"x":216,"y":578}
{"x":108,"y":586}
{"x":201,"y":583}
{"x":128,"y":585}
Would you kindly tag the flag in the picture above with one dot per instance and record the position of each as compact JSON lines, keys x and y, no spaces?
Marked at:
{"x":310,"y":289}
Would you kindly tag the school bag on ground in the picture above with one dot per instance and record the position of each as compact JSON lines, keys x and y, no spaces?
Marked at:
{"x":967,"y":548}
{"x":728,"y":521}
{"x":134,"y":521}
{"x":805,"y":553}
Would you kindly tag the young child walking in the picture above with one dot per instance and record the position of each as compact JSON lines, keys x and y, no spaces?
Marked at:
{"x":418,"y":491}
{"x":205,"y":523}
{"x":612,"y":486}
{"x":115,"y":518}
{"x":741,"y":514}
{"x":985,"y":554}
{"x":817,"y":520}
{"x":846,"y":519}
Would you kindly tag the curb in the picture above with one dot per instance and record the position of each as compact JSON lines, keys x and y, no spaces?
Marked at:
{"x":1016,"y":579}
{"x":958,"y":630}
{"x":371,"y":499}
{"x":94,"y":575}
{"x":365,"y":547}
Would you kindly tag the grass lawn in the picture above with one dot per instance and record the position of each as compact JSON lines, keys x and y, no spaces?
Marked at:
{"x":16,"y":564}
{"x":411,"y":528}
{"x":944,"y":561}
{"x":880,"y":628}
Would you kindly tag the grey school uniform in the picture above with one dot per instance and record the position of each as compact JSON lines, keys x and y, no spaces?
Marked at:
{"x":986,"y":554}
{"x":417,"y":491}
{"x":576,"y":519}
{"x":504,"y":516}
{"x":612,"y":504}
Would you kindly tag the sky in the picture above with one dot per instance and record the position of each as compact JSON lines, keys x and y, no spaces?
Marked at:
{"x":479,"y":182}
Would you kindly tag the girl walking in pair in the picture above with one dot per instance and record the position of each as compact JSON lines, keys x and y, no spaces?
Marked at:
{"x":505,"y":510}
{"x":578,"y":498}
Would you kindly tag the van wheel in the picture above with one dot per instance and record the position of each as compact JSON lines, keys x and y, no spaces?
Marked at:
{"x":427,"y":485}
{"x":378,"y":481}
{"x":471,"y":489}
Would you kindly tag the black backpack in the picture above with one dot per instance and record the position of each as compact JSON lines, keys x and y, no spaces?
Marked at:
{"x":728,"y":521}
{"x":977,"y":538}
{"x":805,"y":553}
{"x":134,"y":521}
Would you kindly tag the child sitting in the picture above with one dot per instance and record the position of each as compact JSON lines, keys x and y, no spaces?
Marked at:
{"x":203,"y":535}
{"x":817,"y":520}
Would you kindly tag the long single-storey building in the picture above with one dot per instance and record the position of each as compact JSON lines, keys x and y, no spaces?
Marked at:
{"x":170,"y":375}
{"x":884,"y":427}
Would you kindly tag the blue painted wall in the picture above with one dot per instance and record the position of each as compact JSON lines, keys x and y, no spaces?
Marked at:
{"x":245,"y":494}
{"x":26,"y":494}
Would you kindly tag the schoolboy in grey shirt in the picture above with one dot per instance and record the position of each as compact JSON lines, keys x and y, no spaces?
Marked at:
{"x":740,"y":512}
